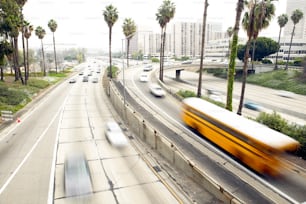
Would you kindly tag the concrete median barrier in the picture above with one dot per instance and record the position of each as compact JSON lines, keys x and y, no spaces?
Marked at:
{"x":151,"y":136}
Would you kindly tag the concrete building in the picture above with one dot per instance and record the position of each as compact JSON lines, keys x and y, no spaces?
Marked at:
{"x":300,"y":28}
{"x":187,"y":37}
{"x":298,"y":49}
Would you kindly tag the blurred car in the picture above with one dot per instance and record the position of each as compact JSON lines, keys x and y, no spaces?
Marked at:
{"x":187,"y":62}
{"x":85,"y":78}
{"x":77,"y":175}
{"x":72,"y":80}
{"x":252,"y":106}
{"x":148,"y":68}
{"x":216,"y":97}
{"x":81,"y":73}
{"x":156,"y":90}
{"x":95,"y":80}
{"x":144,"y":77}
{"x":115,"y":135}
{"x":286,"y":94}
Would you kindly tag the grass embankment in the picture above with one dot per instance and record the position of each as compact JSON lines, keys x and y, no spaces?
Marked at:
{"x":290,"y":80}
{"x":14,"y":96}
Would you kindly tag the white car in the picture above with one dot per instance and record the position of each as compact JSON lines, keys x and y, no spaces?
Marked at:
{"x":95,"y":80}
{"x":156,"y":90}
{"x":115,"y":135}
{"x":144,"y":77}
{"x":148,"y":68}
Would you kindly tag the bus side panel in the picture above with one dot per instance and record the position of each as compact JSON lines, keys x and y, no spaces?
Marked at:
{"x":259,"y":162}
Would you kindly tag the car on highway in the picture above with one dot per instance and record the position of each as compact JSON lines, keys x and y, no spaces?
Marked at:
{"x":144,"y":77}
{"x":252,"y":106}
{"x":148,"y":68}
{"x":95,"y":80}
{"x":72,"y":80}
{"x":85,"y":78}
{"x":285,"y":94}
{"x":77,"y":176}
{"x":156,"y":90}
{"x":115,"y":135}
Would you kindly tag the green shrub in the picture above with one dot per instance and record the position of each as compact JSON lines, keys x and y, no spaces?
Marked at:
{"x":266,"y":61}
{"x":288,"y":80}
{"x":218,"y":72}
{"x":274,"y":121}
{"x":297,"y":132}
{"x":114,"y":71}
{"x":38,"y":83}
{"x":186,"y":93}
{"x":154,"y":59}
{"x":11,"y":96}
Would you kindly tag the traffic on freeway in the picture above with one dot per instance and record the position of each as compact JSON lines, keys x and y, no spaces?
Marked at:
{"x":67,"y":156}
{"x":169,"y":109}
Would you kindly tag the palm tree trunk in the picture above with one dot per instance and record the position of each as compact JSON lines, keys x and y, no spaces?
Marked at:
{"x":244,"y":76}
{"x":28,"y":64}
{"x":55,"y":61}
{"x":279,"y":35}
{"x":43,"y":56}
{"x":163,"y":55}
{"x":14,"y":60}
{"x":24,"y":57}
{"x":160,"y":55}
{"x":253,"y":53}
{"x":202,"y":49}
{"x":127,"y":53}
{"x":110,"y":52}
{"x":233,"y":54}
{"x":290,"y":47}
{"x":1,"y":73}
{"x":1,"y":68}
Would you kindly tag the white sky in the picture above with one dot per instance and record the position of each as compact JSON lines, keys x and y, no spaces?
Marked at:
{"x":81,"y":22}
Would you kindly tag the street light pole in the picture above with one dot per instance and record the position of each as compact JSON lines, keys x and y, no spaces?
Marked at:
{"x":123,"y":78}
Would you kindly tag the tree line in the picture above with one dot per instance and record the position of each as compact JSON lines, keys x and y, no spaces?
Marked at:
{"x":257,"y":16}
{"x":12,"y":25}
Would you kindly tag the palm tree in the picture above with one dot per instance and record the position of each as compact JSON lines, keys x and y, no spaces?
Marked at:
{"x":264,"y":12}
{"x":253,"y":22}
{"x":229,"y":32}
{"x":53,"y":26}
{"x":40,"y":33}
{"x":5,"y":49}
{"x":129,"y":29}
{"x":202,"y":48}
{"x":164,"y":14}
{"x":282,"y":21}
{"x":27,"y":31}
{"x":296,"y":16}
{"x":233,"y":55}
{"x":110,"y":16}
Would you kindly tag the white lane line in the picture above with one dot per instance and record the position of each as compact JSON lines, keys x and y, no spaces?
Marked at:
{"x":52,"y":172}
{"x":29,"y":153}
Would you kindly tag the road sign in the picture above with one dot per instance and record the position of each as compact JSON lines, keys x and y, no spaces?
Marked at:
{"x":6,"y":115}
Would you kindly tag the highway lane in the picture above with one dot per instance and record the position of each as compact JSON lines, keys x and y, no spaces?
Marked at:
{"x":119,"y":175}
{"x":27,"y":150}
{"x":292,"y":106}
{"x":68,"y":118}
{"x":292,"y":188}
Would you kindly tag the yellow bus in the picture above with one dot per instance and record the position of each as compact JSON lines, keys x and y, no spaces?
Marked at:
{"x":254,"y":144}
